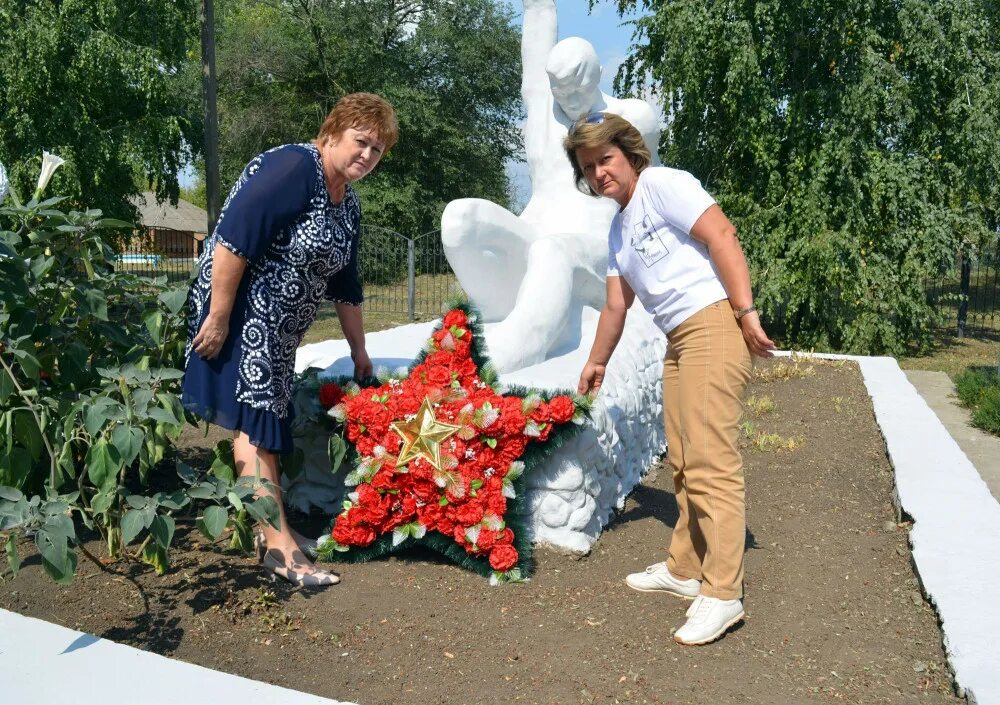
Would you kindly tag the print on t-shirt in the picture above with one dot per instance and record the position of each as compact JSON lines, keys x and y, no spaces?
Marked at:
{"x":648,"y":242}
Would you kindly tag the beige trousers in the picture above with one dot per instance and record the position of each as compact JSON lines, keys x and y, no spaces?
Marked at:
{"x":704,"y":375}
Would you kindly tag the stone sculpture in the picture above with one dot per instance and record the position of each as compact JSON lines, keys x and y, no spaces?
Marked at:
{"x":530,"y":275}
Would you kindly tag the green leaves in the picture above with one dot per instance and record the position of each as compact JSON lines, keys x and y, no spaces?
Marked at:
{"x":831,"y":137}
{"x":213,"y":521}
{"x":102,"y":465}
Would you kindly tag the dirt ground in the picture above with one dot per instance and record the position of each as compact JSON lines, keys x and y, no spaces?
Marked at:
{"x":834,"y":612}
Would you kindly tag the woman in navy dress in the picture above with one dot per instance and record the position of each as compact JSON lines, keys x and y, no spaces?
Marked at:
{"x":286,"y":239}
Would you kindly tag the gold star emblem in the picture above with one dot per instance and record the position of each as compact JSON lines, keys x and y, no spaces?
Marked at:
{"x":422,"y":437}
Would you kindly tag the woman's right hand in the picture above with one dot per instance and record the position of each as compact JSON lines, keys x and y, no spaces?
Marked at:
{"x":757,"y":341}
{"x":591,"y":378}
{"x":211,"y":336}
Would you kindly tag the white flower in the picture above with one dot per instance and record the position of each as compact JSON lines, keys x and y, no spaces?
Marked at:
{"x":50,"y":162}
{"x":4,"y":184}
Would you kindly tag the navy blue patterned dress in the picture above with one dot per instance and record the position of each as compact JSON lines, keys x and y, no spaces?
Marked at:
{"x":300,"y":248}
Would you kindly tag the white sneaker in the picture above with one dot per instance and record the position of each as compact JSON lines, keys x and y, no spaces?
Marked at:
{"x":656,"y":578}
{"x":708,"y":618}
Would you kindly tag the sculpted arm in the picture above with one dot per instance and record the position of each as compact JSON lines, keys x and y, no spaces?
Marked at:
{"x":538,"y":36}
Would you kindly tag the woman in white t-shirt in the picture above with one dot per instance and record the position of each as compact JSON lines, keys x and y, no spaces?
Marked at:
{"x":671,"y":246}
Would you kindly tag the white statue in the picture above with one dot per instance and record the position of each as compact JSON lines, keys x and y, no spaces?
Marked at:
{"x":530,"y":275}
{"x":4,"y":184}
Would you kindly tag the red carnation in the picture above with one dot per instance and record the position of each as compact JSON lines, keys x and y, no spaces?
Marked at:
{"x":497,"y":504}
{"x":440,"y":376}
{"x":330,"y":394}
{"x":469,"y":514}
{"x":455,"y":317}
{"x":561,"y":409}
{"x":486,"y":539}
{"x":503,"y":557}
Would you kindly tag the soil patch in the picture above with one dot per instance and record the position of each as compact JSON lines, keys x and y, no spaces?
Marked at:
{"x":834,"y":611}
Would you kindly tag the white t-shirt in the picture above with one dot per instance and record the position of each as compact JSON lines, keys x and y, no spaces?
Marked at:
{"x":650,"y":245}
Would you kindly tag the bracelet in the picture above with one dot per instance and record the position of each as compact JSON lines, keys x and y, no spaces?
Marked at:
{"x":741,"y":312}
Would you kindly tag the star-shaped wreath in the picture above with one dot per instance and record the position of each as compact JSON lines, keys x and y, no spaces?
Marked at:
{"x":439,"y":457}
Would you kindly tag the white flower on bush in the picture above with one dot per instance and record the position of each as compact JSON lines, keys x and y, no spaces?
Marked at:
{"x":50,"y":162}
{"x":4,"y":184}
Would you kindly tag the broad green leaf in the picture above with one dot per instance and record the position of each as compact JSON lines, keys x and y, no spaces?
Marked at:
{"x":127,"y":440}
{"x":94,"y":303}
{"x":186,"y":472}
{"x":337,"y":449}
{"x":132,"y":526}
{"x":13,"y":559}
{"x":202,"y":490}
{"x":223,"y":462}
{"x":28,"y":362}
{"x":102,"y":465}
{"x":174,"y":299}
{"x":235,"y":500}
{"x":162,"y":529}
{"x":264,"y":510}
{"x":173,"y":500}
{"x":57,"y":558}
{"x":214,"y":520}
{"x":102,"y":502}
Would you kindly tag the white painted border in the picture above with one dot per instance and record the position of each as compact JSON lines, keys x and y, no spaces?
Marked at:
{"x":43,"y":663}
{"x":955,"y":539}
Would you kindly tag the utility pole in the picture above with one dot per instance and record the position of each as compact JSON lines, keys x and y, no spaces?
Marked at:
{"x":211,"y":113}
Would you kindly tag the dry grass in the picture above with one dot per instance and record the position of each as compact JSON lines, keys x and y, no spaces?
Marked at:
{"x":760,"y":405}
{"x":795,"y":367}
{"x":954,"y":355}
{"x":754,"y":437}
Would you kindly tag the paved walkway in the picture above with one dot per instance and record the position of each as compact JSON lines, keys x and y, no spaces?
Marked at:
{"x":982,"y":448}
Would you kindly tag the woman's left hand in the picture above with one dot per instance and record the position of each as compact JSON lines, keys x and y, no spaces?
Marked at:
{"x":362,"y":364}
{"x":757,"y":340}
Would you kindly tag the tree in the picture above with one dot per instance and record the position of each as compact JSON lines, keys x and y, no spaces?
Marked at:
{"x":449,"y":67}
{"x":95,"y":82}
{"x":855,"y":143}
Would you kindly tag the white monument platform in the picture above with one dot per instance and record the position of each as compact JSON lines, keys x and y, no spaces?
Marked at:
{"x":573,"y":496}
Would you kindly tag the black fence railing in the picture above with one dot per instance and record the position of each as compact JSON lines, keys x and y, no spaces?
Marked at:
{"x":411,"y":276}
{"x":401,"y":275}
{"x":966,"y":294}
{"x":160,"y":252}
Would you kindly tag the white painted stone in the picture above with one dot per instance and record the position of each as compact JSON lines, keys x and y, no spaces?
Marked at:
{"x":573,"y":496}
{"x":43,"y":663}
{"x":533,"y":274}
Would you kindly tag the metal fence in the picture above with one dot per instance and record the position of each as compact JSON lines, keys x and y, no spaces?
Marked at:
{"x":966,"y":294}
{"x":404,"y":275}
{"x":411,"y":276}
{"x":401,"y":275}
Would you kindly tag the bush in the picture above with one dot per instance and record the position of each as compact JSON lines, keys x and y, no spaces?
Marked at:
{"x":979,"y":389}
{"x":89,"y":379}
{"x":987,"y":413}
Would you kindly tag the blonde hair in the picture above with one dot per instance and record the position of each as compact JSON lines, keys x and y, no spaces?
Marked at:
{"x":588,"y":132}
{"x":362,"y":111}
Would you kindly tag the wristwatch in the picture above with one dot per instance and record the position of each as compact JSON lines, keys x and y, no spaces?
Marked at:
{"x":741,"y":312}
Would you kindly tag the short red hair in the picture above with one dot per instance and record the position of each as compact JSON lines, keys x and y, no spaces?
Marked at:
{"x":362,"y":111}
